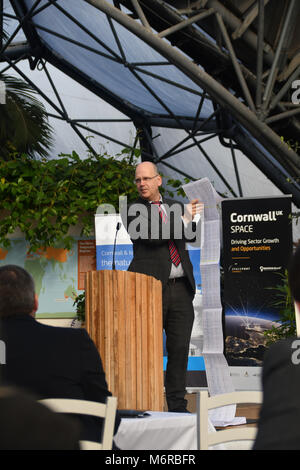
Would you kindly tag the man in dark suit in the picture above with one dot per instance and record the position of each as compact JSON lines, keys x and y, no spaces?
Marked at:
{"x":278,"y":426}
{"x":46,"y":361}
{"x":159,"y":229}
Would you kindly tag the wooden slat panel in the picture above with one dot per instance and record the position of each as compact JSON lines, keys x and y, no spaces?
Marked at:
{"x":122,"y":355}
{"x":128,"y":340}
{"x":115,"y":353}
{"x":100,"y":317}
{"x":108,"y":281}
{"x":133,"y":339}
{"x":158,"y":348}
{"x":144,"y":339}
{"x":138,"y":336}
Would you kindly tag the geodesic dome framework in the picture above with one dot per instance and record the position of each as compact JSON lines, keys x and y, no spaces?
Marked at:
{"x":207,"y":84}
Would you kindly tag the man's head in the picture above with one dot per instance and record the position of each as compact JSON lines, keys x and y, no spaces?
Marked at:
{"x":17,"y":292}
{"x":148,"y":181}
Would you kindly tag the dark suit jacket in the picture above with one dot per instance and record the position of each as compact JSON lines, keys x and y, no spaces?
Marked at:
{"x":150,"y":249}
{"x":279,"y":421}
{"x":53,"y":362}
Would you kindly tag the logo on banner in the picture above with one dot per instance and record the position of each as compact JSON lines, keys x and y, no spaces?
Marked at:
{"x":2,"y":92}
{"x":238,"y":269}
{"x":140,"y":225}
{"x":296,"y":94}
{"x":257,"y":242}
{"x":245,"y":219}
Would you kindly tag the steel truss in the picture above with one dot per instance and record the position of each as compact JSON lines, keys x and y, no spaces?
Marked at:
{"x":247,"y":80}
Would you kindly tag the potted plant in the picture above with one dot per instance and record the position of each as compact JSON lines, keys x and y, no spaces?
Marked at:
{"x":284,"y":302}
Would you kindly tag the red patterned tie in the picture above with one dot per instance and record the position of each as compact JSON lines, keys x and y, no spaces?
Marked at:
{"x":175,"y":257}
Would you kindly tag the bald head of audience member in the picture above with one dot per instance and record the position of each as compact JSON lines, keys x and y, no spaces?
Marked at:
{"x":17,"y":292}
{"x":294,"y":275}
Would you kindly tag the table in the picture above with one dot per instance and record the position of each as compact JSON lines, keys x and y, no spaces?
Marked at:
{"x":159,"y":431}
{"x":166,"y":431}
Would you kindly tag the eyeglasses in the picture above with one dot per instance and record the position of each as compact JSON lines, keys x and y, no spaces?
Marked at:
{"x":146,"y":179}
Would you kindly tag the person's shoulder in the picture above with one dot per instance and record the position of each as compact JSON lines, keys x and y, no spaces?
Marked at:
{"x":174,"y":206}
{"x":172,"y":202}
{"x":62,"y":331}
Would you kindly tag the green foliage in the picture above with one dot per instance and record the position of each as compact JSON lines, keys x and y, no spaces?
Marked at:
{"x":79,"y":304}
{"x":284,"y":301}
{"x":292,"y":144}
{"x":176,"y":184}
{"x":24,"y":123}
{"x":45,"y":198}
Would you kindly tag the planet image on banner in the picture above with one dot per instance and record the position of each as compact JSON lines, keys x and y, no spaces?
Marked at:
{"x":245,"y":342}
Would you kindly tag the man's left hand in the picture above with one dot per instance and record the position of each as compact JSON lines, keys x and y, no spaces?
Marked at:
{"x":193,"y":208}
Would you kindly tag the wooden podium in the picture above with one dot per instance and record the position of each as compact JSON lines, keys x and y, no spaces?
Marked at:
{"x":124,"y":319}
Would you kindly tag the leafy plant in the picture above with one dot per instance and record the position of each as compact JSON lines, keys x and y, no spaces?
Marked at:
{"x":24,"y":125}
{"x":79,"y":304}
{"x":285,"y":304}
{"x":45,"y":198}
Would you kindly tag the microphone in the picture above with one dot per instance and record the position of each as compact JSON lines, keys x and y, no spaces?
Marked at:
{"x":114,"y":251}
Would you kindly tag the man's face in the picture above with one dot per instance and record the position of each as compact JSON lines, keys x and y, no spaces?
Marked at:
{"x":147,"y":181}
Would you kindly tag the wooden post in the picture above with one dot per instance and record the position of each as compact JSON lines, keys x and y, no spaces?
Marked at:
{"x":124,"y":319}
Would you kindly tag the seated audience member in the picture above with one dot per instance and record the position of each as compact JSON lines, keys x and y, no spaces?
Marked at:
{"x":278,"y":426}
{"x":47,"y":361}
{"x":28,"y":425}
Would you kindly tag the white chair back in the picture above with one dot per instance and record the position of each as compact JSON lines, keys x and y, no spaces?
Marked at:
{"x":205,"y":439}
